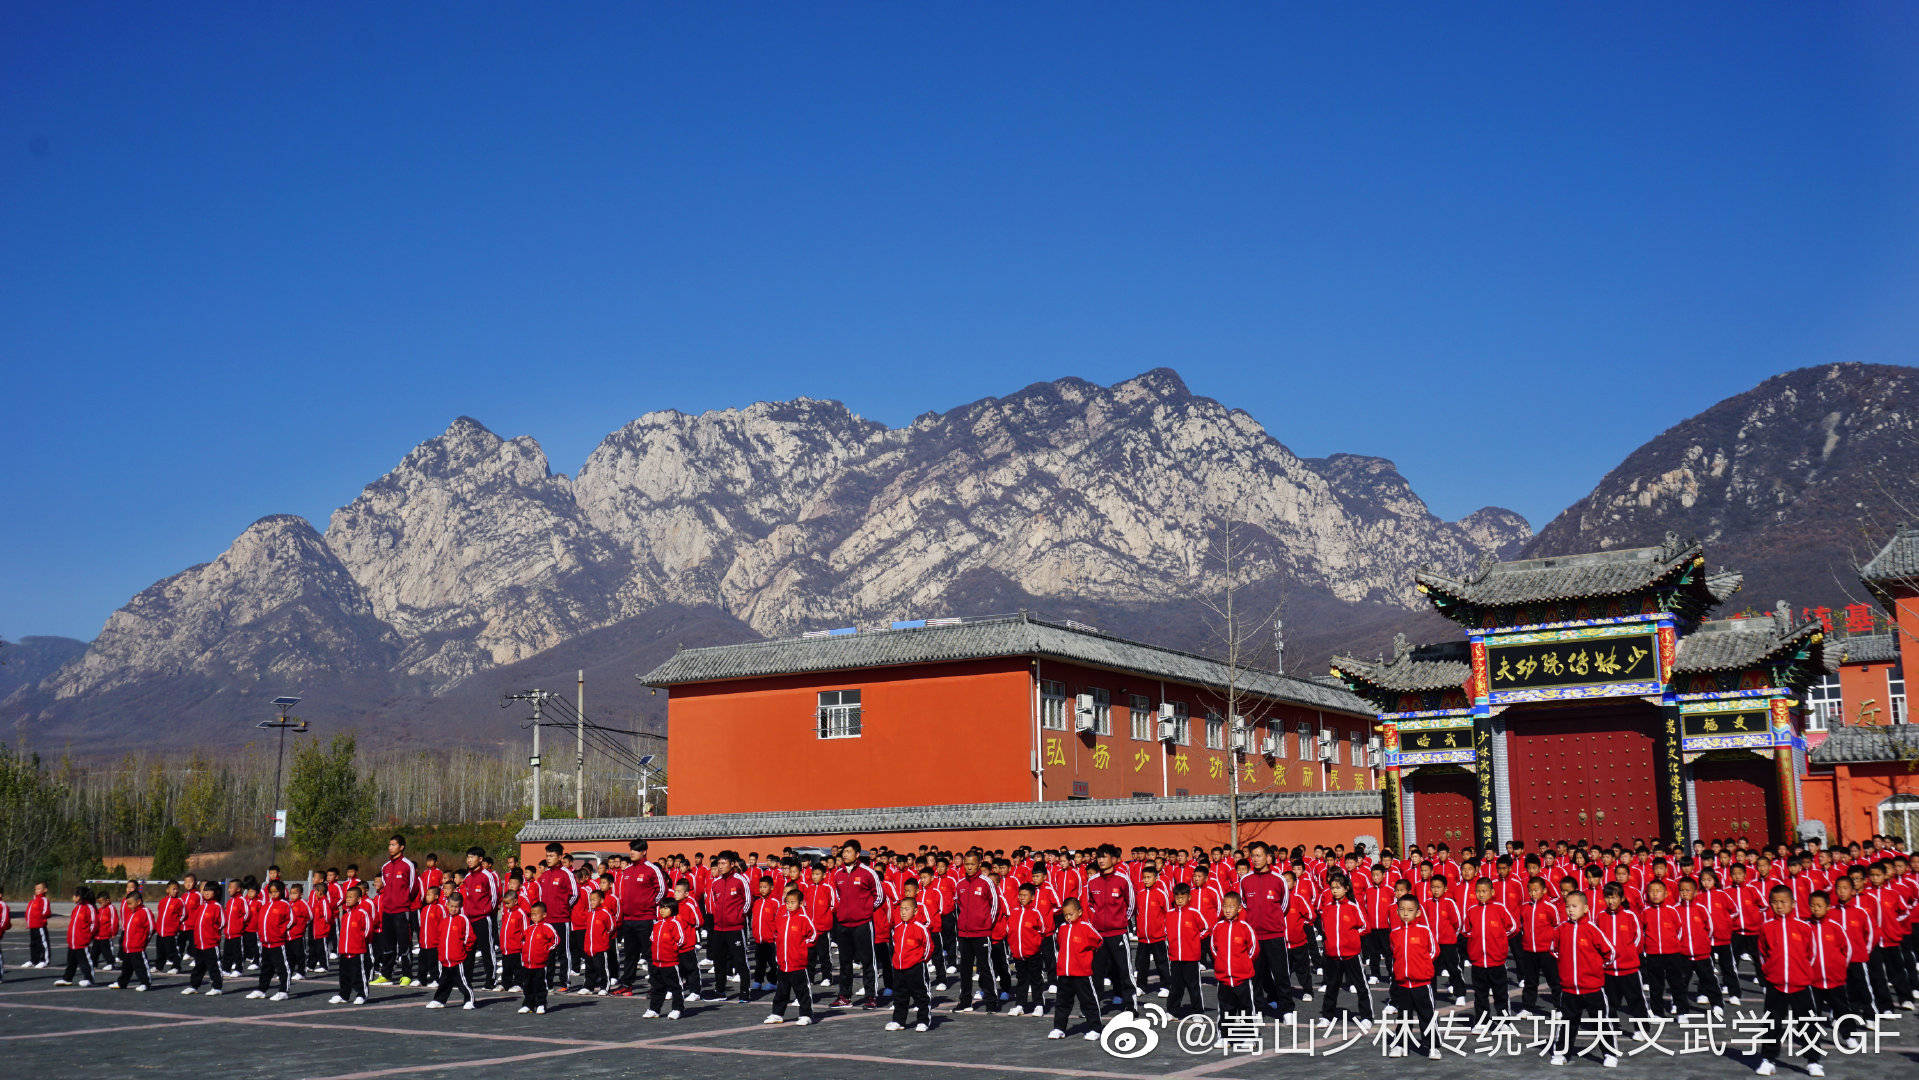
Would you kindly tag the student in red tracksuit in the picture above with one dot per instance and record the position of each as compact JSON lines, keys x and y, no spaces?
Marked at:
{"x":820,"y":903}
{"x":1662,"y":952}
{"x":1849,"y":914}
{"x":276,"y":924}
{"x":1235,"y":948}
{"x":1444,"y":915}
{"x":1375,"y":898}
{"x":1582,"y":953}
{"x":297,"y":931}
{"x":1785,"y":966}
{"x":793,"y":939}
{"x":1026,"y":931}
{"x":135,"y":931}
{"x":1076,"y":943}
{"x":106,"y":928}
{"x":542,"y":944}
{"x":1299,"y":918}
{"x":79,"y":940}
{"x":1695,"y":942}
{"x":455,"y":942}
{"x":976,"y":910}
{"x":359,"y":927}
{"x":1538,"y":919}
{"x":687,"y":910}
{"x":1149,"y":951}
{"x":663,"y":957}
{"x":1486,"y":931}
{"x":170,"y":928}
{"x":596,"y":942}
{"x":1625,"y":993}
{"x":764,"y":922}
{"x":1108,"y":898}
{"x":1185,"y":942}
{"x":513,"y":923}
{"x":1415,"y":950}
{"x":1832,"y":956}
{"x":203,"y":940}
{"x":912,"y":945}
{"x":39,"y":915}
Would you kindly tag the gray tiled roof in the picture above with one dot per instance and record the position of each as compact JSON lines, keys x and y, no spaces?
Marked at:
{"x":1441,"y":666}
{"x":1850,"y":743}
{"x":833,"y":824}
{"x":1861,"y":649}
{"x":1731,"y":644}
{"x":1898,"y":560}
{"x":1576,"y":577}
{"x":1013,"y":635}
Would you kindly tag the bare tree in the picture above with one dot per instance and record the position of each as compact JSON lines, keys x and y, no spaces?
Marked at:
{"x":1240,"y":629}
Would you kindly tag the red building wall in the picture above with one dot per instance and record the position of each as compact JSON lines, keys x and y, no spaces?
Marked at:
{"x":930,"y":734}
{"x":1864,"y":693}
{"x":1847,"y":797}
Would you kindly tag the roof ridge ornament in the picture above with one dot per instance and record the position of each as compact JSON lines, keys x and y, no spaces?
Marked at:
{"x":1782,"y":617}
{"x":1483,"y":567}
{"x":1401,"y":647}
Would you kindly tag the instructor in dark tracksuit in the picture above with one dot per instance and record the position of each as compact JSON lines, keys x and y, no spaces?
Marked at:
{"x":640,"y":887}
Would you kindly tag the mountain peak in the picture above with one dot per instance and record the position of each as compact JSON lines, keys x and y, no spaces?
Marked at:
{"x":1161,"y":383}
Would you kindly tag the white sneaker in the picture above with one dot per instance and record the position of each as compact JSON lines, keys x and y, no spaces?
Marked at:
{"x":772,"y":1018}
{"x":1701,"y":999}
{"x":1052,"y":989}
{"x":215,"y":992}
{"x":1302,"y":997}
{"x":650,"y":1014}
{"x":436,"y":1004}
{"x":939,"y":986}
{"x":1091,"y":1036}
{"x":1718,"y":1013}
{"x":336,"y":1000}
{"x":279,"y":995}
{"x":1056,"y":1034}
{"x":952,"y":970}
{"x":189,"y":990}
{"x":1766,"y":1068}
{"x":63,"y":982}
{"x":541,"y":1010}
{"x":1462,"y":1000}
{"x":359,"y":1001}
{"x":142,"y":988}
{"x":1365,"y":1026}
{"x":1397,"y":1051}
{"x":919,"y":1027}
{"x":1558,"y":1059}
{"x":693,"y":996}
{"x":297,"y":977}
{"x":255,"y":995}
{"x":86,"y":982}
{"x":469,"y":1005}
{"x":894,"y":1025}
{"x":1611,"y":1061}
{"x":1289,"y":1019}
{"x":803,"y":1021}
{"x":1372,"y":980}
{"x":1388,"y":1010}
{"x":1433,"y":1053}
{"x":1815,"y":1069}
{"x":674,"y":1015}
{"x":1163,"y":992}
{"x":523,"y":1009}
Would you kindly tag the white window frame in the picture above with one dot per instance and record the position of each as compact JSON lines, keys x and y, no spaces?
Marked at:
{"x":1359,"y":750}
{"x":1102,"y":710}
{"x":1277,"y":728}
{"x":1824,"y":704}
{"x":1052,"y":705}
{"x":1896,"y":694}
{"x":1215,"y":731}
{"x":1139,"y":708}
{"x":1899,"y":816}
{"x":1307,"y":752}
{"x":837,"y":716}
{"x":1182,"y":724}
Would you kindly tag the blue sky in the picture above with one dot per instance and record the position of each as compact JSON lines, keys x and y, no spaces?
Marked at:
{"x":255,"y":253}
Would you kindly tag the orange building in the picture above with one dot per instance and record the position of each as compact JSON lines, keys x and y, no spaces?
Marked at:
{"x":998,"y":724}
{"x":1864,"y":766}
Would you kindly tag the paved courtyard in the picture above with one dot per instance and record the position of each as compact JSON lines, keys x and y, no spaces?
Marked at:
{"x":46,"y":1030}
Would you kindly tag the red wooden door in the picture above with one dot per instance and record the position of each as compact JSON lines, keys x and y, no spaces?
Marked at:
{"x":1443,"y":807}
{"x":1584,"y":774}
{"x":1735,"y":798}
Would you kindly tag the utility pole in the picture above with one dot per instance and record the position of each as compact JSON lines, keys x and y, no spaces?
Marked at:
{"x":279,"y":763}
{"x":579,"y":764}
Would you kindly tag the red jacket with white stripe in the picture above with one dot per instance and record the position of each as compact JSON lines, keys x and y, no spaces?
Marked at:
{"x":1026,"y":930}
{"x":796,"y":935}
{"x":1414,"y":950}
{"x":1154,"y":903}
{"x":1185,"y":930}
{"x":206,"y":926}
{"x":540,"y":942}
{"x":667,"y":937}
{"x":138,"y":929}
{"x":910,"y":944}
{"x":456,"y":940}
{"x":976,"y":906}
{"x":173,"y":915}
{"x":356,"y":929}
{"x":1857,"y":923}
{"x":1831,"y":952}
{"x":767,"y":912}
{"x":1235,"y":945}
{"x":276,"y":924}
{"x":1661,"y":927}
{"x":599,"y":932}
{"x":1487,"y":929}
{"x":1785,"y":953}
{"x":1695,"y":928}
{"x":1074,"y":947}
{"x":1583,"y":952}
{"x":1622,"y":929}
{"x":1342,"y":922}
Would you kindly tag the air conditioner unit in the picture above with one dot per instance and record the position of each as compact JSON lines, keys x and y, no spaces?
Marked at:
{"x":1372,"y":743}
{"x":1167,"y":730}
{"x":1083,"y":716}
{"x":1375,"y":757}
{"x":1269,"y":745}
{"x":1239,"y":739}
{"x":1328,"y":748}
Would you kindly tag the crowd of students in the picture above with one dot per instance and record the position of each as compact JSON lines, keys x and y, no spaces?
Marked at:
{"x":1648,"y":932}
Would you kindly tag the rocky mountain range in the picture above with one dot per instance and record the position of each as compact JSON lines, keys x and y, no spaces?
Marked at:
{"x":473,"y":567}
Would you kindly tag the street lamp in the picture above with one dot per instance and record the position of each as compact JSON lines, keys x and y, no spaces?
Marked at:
{"x":279,"y":813}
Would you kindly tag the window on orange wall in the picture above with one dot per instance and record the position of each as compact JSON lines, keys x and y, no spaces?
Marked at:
{"x":1140,"y":707}
{"x":1278,"y":729}
{"x":1359,"y":751}
{"x":1102,"y":710}
{"x":839,"y":714}
{"x":1215,"y":731}
{"x":1182,"y":724}
{"x":1896,"y":693}
{"x":1052,"y":705}
{"x":1306,"y":742}
{"x":1823,"y":704}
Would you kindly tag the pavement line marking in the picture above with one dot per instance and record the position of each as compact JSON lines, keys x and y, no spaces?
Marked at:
{"x":470,"y":1063}
{"x":877,"y":1059}
{"x":183,"y":1022}
{"x":272,"y":1021}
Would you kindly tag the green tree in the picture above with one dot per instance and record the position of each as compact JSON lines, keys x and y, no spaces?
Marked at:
{"x":170,"y":854}
{"x":39,"y":839}
{"x":326,"y":797}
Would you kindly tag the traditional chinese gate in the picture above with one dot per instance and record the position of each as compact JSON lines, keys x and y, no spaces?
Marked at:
{"x":1733,"y":791}
{"x":1443,"y":805}
{"x":1585,"y":773}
